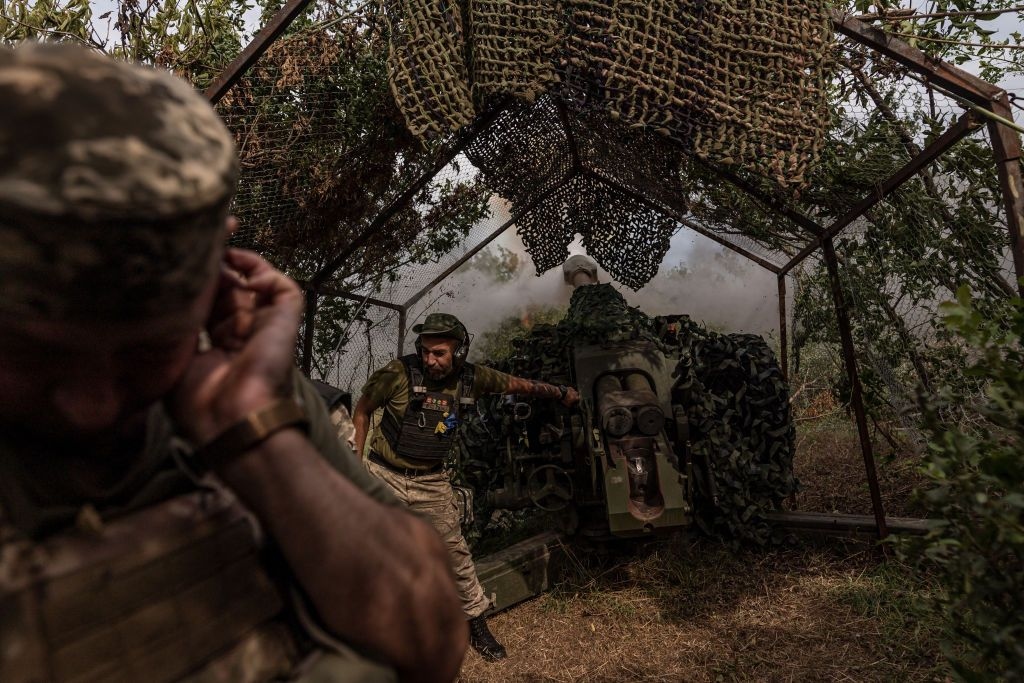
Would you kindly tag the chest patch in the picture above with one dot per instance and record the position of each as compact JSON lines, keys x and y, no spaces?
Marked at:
{"x":438,"y":403}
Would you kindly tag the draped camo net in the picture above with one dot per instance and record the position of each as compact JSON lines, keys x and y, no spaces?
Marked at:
{"x":608,"y":98}
{"x":736,"y":83}
{"x":616,"y":187}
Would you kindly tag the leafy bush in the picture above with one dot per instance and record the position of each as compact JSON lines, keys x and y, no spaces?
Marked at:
{"x":976,"y":466}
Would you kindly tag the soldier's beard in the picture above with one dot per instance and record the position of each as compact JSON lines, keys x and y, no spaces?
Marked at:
{"x":438,"y":374}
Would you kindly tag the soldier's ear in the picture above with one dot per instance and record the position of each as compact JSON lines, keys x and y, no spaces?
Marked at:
{"x":230,"y":226}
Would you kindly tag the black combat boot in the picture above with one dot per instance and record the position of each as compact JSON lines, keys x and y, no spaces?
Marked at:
{"x":483,"y":642}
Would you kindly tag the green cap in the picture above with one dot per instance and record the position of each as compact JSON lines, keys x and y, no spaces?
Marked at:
{"x":441,"y":325}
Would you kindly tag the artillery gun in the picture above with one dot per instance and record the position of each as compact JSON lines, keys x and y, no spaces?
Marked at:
{"x":676,"y":425}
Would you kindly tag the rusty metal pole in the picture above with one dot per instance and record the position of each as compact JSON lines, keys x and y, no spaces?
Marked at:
{"x":856,"y":393}
{"x":308,"y":329}
{"x":263,"y":39}
{"x":402,"y":322}
{"x":1006,"y":149}
{"x":783,"y":343}
{"x":255,"y":49}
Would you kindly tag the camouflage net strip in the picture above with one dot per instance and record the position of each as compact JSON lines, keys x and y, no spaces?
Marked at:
{"x":626,"y":235}
{"x":738,"y":84}
{"x":427,"y":65}
{"x":504,"y":153}
{"x":763,"y":86}
{"x":531,"y":32}
{"x":627,"y":238}
{"x":636,"y":158}
{"x":740,"y":430}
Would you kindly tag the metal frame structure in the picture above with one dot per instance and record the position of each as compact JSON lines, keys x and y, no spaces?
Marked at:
{"x":986,"y":103}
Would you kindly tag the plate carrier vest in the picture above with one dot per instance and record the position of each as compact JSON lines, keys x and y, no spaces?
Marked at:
{"x":172,"y":592}
{"x":415,"y":437}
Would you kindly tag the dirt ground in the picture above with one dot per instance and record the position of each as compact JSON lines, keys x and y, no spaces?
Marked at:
{"x":687,"y":609}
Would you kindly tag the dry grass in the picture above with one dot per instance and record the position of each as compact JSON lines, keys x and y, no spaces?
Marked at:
{"x":682,"y":609}
{"x":686,"y":609}
{"x":830,"y":466}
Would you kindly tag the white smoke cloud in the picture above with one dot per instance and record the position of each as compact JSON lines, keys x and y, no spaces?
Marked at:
{"x":698,"y":277}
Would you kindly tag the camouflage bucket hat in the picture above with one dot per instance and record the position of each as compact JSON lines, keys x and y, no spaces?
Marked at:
{"x":114,"y":184}
{"x":441,"y":325}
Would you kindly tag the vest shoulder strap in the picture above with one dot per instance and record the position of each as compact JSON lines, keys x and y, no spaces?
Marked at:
{"x":418,"y":389}
{"x":414,"y":373}
{"x":466,"y":384}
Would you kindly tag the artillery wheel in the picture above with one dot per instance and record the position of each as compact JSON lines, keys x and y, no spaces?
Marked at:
{"x":550,"y":488}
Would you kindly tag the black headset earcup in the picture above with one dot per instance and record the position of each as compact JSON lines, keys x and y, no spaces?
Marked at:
{"x":463,"y":350}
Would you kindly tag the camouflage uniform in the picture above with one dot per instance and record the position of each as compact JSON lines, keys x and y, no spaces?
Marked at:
{"x":429,"y":493}
{"x":335,"y":399}
{"x":114,"y":186}
{"x":344,"y":426}
{"x":71,"y":241}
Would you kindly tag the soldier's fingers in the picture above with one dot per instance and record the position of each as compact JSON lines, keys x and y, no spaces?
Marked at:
{"x":232,"y":332}
{"x":231,"y":316}
{"x":233,"y":296}
{"x":267,"y":282}
{"x":275,"y":288}
{"x":246,"y":262}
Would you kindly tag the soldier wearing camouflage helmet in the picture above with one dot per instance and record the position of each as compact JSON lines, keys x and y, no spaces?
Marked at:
{"x":173,"y":500}
{"x":422,"y":396}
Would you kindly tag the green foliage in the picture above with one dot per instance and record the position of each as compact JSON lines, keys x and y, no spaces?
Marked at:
{"x":941,"y":229}
{"x":498,"y":343}
{"x":963,"y":35}
{"x":499,"y":264}
{"x":977,"y":470}
{"x":47,"y":19}
{"x":194,"y":39}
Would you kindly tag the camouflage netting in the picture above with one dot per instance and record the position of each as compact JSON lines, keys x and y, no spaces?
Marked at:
{"x":629,"y":239}
{"x":326,"y":151}
{"x":741,"y":435}
{"x":614,"y":186}
{"x":736,"y":83}
{"x":601,"y":85}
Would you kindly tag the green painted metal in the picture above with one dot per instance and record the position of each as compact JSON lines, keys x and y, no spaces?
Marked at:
{"x":627,"y":513}
{"x":521,"y":571}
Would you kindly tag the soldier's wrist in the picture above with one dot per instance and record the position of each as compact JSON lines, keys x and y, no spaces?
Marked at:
{"x":249,"y":432}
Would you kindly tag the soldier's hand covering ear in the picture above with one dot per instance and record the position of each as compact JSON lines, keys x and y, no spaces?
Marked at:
{"x":572,"y":397}
{"x":253,"y":327}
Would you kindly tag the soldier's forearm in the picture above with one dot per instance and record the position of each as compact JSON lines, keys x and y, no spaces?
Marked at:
{"x":532,"y":387}
{"x":361,"y":420}
{"x":377,"y":576}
